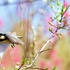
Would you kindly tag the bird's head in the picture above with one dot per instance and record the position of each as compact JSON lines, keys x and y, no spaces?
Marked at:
{"x":2,"y":36}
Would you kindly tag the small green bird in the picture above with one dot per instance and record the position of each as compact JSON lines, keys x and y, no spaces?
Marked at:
{"x":7,"y":39}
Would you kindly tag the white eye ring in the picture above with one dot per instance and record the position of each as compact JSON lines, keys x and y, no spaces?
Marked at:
{"x":2,"y":37}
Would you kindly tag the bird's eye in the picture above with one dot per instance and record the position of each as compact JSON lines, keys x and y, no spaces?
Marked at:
{"x":2,"y":37}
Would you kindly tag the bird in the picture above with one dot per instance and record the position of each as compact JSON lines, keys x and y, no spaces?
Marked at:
{"x":7,"y":39}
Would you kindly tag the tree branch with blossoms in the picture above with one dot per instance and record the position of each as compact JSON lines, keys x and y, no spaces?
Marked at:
{"x":58,"y":27}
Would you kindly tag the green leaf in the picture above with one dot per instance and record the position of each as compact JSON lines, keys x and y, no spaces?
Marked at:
{"x":23,"y":62}
{"x":51,"y":6}
{"x":65,"y":17}
{"x":50,"y":23}
{"x":60,"y":36}
{"x":61,"y":13}
{"x":50,"y":17}
{"x":58,"y":3}
{"x":46,"y":68}
{"x":54,"y":68}
{"x":57,"y":17}
{"x":50,"y":29}
{"x":30,"y":61}
{"x":67,"y":28}
{"x":63,"y":20}
{"x":3,"y":69}
{"x":17,"y":63}
{"x":63,"y":9}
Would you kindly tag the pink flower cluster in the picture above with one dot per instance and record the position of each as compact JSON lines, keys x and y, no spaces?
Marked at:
{"x":15,"y":55}
{"x":66,"y":4}
{"x":1,"y":23}
{"x":11,"y":58}
{"x":54,"y":61}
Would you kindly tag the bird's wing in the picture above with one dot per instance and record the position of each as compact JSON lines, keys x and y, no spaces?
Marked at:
{"x":14,"y":39}
{"x":3,"y":47}
{"x":20,"y":36}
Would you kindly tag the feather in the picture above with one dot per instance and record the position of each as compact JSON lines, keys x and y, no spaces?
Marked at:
{"x":9,"y":39}
{"x":14,"y":39}
{"x":20,"y":36}
{"x":3,"y":47}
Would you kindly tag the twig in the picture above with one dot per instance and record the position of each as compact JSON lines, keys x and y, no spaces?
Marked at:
{"x":64,"y":13}
{"x":45,"y":50}
{"x":27,"y":66}
{"x":36,"y":68}
{"x":52,"y":8}
{"x":41,"y":50}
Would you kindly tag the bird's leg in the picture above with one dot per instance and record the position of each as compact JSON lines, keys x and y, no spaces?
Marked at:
{"x":12,"y":45}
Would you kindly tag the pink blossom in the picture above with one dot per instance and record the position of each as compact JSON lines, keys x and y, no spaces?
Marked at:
{"x":15,"y":55}
{"x":1,"y":23}
{"x":66,"y":4}
{"x":50,"y":65}
{"x":65,"y":22}
{"x":19,"y":13}
{"x":63,"y":36}
{"x":69,"y":32}
{"x":57,"y":61}
{"x":5,"y":62}
{"x":48,"y":19}
{"x":11,"y":57}
{"x":66,"y":14}
{"x":53,"y":53}
{"x":42,"y":64}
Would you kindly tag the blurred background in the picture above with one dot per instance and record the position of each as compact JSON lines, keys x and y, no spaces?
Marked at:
{"x":29,"y":18}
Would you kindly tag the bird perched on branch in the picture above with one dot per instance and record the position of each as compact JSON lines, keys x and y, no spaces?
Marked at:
{"x":7,"y":39}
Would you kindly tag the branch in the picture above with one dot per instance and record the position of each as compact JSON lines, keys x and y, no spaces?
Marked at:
{"x":36,"y":68}
{"x":45,"y":50}
{"x":64,"y":13}
{"x":41,"y":50}
{"x":52,"y":8}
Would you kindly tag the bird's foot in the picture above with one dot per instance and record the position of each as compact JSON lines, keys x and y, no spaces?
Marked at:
{"x":13,"y":46}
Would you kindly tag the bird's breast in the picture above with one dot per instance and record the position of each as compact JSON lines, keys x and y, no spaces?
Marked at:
{"x":4,"y":41}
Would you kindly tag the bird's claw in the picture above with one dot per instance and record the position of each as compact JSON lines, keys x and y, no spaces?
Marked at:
{"x":12,"y":45}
